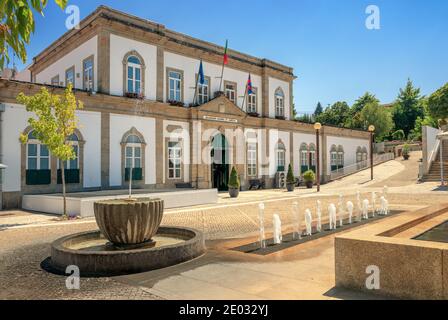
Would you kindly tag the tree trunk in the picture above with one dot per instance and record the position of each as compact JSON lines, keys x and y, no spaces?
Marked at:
{"x":63,"y":189}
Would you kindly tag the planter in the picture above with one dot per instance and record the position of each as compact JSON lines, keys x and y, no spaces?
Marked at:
{"x":290,"y":186}
{"x":234,"y":192}
{"x":309,"y":184}
{"x":406,"y":156}
{"x":125,"y":222}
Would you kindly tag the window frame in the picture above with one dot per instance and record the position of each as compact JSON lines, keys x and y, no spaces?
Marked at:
{"x":55,"y":80}
{"x":71,"y":69}
{"x":38,"y":155}
{"x":252,"y":106}
{"x":279,"y":98}
{"x":203,"y":98}
{"x":252,"y":163}
{"x":134,"y":66}
{"x":174,"y":162}
{"x":181,"y":85}
{"x":233,"y":91}
{"x":91,"y":81}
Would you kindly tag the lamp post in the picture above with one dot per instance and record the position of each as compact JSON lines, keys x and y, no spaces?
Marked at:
{"x":372,"y":132}
{"x":317,"y":127}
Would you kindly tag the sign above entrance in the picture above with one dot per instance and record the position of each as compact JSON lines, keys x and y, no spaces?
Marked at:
{"x":219,"y":119}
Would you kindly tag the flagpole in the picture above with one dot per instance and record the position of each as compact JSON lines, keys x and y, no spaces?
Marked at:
{"x":222,"y":71}
{"x":196,"y":88}
{"x":244,"y":99}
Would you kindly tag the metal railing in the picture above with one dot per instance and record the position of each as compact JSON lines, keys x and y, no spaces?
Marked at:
{"x":360,"y":166}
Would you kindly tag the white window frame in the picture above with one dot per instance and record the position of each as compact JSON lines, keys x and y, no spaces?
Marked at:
{"x":252,"y":160}
{"x":230,"y":92}
{"x":334,"y":158}
{"x":70,"y":71}
{"x":174,"y":160}
{"x":281,"y":158}
{"x":87,"y":74}
{"x":204,"y":92}
{"x":134,"y":67}
{"x":279,"y":103}
{"x":304,"y":158}
{"x":340,"y":158}
{"x":252,"y":102}
{"x":38,"y":155}
{"x":133,"y":157}
{"x":175,"y":93}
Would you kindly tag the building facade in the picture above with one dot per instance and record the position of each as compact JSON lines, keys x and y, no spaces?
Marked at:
{"x":146,"y":118}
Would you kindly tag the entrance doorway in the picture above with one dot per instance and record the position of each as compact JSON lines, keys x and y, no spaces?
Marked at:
{"x":220,"y":163}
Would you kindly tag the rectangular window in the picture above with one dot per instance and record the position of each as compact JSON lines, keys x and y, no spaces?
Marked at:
{"x":280,"y":160}
{"x":340,"y":159}
{"x":133,"y":156}
{"x":38,"y":157}
{"x":252,"y":102}
{"x":175,"y":86}
{"x":204,"y":92}
{"x":230,"y":91}
{"x":88,"y":74}
{"x":55,"y":81}
{"x":334,"y":159}
{"x":174,"y":160}
{"x":70,"y":76}
{"x":252,"y":160}
{"x":304,"y":158}
{"x":279,"y":106}
{"x":313,"y":158}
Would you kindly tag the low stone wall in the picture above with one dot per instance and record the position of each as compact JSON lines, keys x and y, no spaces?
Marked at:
{"x":408,"y":269}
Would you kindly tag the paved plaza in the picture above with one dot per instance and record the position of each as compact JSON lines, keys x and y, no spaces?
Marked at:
{"x":305,"y":271}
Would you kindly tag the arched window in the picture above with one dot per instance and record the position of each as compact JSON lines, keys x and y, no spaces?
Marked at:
{"x":279,"y":103}
{"x":134,"y":74}
{"x":38,"y":171}
{"x":304,"y":159}
{"x":340,"y":157}
{"x":334,"y":157}
{"x":133,"y":146}
{"x":280,"y":156}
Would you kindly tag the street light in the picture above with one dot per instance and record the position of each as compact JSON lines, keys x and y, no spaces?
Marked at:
{"x":317,"y":127}
{"x":372,"y":132}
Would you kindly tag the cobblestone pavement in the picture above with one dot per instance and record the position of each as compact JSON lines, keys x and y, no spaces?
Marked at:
{"x":21,"y":276}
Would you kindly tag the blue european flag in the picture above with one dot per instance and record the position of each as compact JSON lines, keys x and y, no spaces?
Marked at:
{"x":201,"y":74}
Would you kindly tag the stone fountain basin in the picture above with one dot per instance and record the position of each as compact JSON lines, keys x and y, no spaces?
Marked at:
{"x":94,"y":257}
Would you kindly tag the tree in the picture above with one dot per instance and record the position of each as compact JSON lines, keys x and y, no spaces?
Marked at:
{"x":380,"y":117}
{"x":427,"y":120}
{"x":318,"y":110}
{"x":17,"y":25}
{"x":407,"y":108}
{"x":54,"y":122}
{"x":335,"y":115}
{"x":438,"y":103}
{"x":354,"y":119}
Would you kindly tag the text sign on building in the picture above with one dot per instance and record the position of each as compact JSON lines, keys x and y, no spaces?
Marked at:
{"x":219,"y":119}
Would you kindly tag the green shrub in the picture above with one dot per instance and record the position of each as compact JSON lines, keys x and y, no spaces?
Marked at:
{"x":290,"y":177}
{"x":406,"y":149}
{"x":234,"y":181}
{"x":398,"y":135}
{"x":309,"y":176}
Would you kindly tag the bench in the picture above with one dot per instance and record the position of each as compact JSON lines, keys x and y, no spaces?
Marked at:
{"x":256,"y":184}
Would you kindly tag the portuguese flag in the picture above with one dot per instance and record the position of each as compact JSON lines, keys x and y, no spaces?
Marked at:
{"x":226,"y":57}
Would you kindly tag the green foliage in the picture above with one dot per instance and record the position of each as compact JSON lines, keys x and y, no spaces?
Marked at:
{"x":17,"y":24}
{"x":406,"y":149}
{"x":306,"y":118}
{"x":318,"y":110}
{"x":438,"y":103}
{"x":54,"y":122}
{"x":354,"y":121}
{"x":290,"y":176}
{"x":335,"y":115}
{"x":380,"y":117}
{"x":234,"y":181}
{"x":398,"y":135}
{"x":309,"y":176}
{"x":407,"y":108}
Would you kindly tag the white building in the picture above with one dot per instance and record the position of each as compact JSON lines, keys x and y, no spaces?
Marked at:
{"x":137,"y":80}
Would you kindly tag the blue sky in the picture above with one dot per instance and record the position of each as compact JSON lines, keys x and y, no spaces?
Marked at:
{"x":326,"y":42}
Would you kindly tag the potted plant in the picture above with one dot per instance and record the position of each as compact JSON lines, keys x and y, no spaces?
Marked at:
{"x":309,"y":178}
{"x":234,"y":184}
{"x":405,"y":152}
{"x":290,"y":180}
